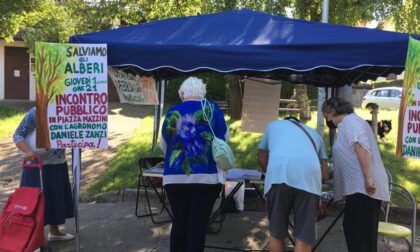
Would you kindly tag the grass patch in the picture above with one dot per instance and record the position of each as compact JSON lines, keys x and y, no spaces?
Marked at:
{"x":9,"y":120}
{"x":123,"y":169}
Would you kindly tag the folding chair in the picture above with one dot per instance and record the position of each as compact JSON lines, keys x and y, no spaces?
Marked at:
{"x":387,"y":204}
{"x":400,"y":197}
{"x":154,"y":183}
{"x":389,"y":176}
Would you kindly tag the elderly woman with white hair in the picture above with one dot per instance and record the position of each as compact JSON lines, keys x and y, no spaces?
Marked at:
{"x":191,"y":176}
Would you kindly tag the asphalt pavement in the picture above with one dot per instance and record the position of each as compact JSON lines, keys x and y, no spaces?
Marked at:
{"x":113,"y":226}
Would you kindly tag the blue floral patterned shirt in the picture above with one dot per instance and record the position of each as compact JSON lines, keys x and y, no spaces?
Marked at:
{"x":186,"y":140}
{"x":26,"y":127}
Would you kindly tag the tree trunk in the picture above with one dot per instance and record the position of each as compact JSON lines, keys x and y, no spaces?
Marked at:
{"x":235,"y":97}
{"x":303,"y":101}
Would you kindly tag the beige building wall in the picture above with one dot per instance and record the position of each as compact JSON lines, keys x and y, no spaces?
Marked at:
{"x":3,"y":44}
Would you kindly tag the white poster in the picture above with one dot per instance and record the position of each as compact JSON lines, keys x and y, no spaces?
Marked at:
{"x":71,"y":95}
{"x":408,"y":140}
{"x":260,"y":105}
{"x":134,"y":89}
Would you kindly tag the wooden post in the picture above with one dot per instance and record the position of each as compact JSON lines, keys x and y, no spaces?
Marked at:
{"x":374,"y":112}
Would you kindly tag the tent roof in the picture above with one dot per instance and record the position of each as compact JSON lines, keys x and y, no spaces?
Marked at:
{"x":255,"y":44}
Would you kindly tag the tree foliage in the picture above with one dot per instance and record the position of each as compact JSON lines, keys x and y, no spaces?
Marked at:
{"x":277,"y":7}
{"x":347,"y":12}
{"x":50,"y":22}
{"x":55,"y":21}
{"x":12,"y":15}
{"x":407,"y":17}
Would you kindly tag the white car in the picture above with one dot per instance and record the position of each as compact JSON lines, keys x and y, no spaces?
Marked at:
{"x":385,"y":98}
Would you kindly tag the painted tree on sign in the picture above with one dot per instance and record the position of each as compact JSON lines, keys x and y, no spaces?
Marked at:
{"x":46,"y":82}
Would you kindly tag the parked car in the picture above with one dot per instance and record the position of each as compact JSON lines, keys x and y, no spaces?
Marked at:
{"x":385,"y":98}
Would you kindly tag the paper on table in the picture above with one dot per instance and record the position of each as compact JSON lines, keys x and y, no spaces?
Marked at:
{"x":252,"y":174}
{"x":242,"y":174}
{"x":157,"y":170}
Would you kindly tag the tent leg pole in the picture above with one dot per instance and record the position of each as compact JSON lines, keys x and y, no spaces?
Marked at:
{"x":158,"y":113}
{"x":76,"y":164}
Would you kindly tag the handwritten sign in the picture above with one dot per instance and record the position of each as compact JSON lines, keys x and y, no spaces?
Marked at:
{"x":71,"y":95}
{"x":260,"y":105}
{"x":408,"y":141}
{"x":134,"y":89}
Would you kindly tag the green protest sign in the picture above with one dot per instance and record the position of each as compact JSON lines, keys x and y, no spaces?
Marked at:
{"x":71,"y":95}
{"x":408,"y":140}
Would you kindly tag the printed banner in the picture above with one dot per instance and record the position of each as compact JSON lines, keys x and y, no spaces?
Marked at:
{"x":134,"y":89}
{"x":408,"y":141}
{"x":71,"y":95}
{"x":260,"y":104}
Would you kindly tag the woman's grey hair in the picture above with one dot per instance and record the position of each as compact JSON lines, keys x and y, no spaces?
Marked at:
{"x":192,"y":87}
{"x":338,"y":106}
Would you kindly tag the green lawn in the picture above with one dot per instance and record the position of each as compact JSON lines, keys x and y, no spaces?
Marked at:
{"x":123,"y":170}
{"x":9,"y":120}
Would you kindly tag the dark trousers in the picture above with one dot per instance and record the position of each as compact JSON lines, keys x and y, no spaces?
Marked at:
{"x":191,"y":206}
{"x":360,"y":224}
{"x":57,"y":191}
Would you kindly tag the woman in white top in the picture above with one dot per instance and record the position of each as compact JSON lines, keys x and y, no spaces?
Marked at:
{"x":359,"y":175}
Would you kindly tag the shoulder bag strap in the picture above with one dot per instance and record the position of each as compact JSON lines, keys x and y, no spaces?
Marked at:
{"x":304,"y":130}
{"x":206,"y":117}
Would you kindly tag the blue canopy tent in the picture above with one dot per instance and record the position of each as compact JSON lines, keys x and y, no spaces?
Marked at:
{"x":254,"y":44}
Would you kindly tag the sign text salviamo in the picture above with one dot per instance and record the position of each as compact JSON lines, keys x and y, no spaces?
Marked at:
{"x":78,"y":110}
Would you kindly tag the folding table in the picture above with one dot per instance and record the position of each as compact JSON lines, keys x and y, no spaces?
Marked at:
{"x":238,"y":175}
{"x":154,"y":172}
